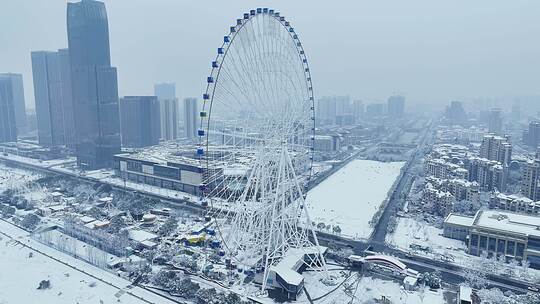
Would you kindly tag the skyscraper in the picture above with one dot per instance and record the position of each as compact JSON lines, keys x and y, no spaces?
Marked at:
{"x":17,"y":89}
{"x":52,"y":90}
{"x":94,"y":85}
{"x":139,"y":120}
{"x":190,"y":117}
{"x":166,"y":94}
{"x":396,"y":106}
{"x":8,"y":127}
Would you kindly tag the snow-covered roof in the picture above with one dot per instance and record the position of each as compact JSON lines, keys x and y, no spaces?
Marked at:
{"x":141,"y":235}
{"x":508,"y":221}
{"x":465,"y":293}
{"x":461,"y":220}
{"x":288,"y":275}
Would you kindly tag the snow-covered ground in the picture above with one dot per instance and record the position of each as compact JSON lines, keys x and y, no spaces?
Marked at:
{"x":73,"y":281}
{"x":14,"y":177}
{"x":366,"y":290}
{"x":350,"y":197}
{"x":412,"y":232}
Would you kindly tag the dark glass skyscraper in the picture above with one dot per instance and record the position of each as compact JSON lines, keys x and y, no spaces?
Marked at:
{"x":94,"y":85}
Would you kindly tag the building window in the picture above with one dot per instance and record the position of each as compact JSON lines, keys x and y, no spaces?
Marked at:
{"x":510,"y":246}
{"x":483,"y":242}
{"x":491,"y":244}
{"x":501,"y":246}
{"x":520,"y":248}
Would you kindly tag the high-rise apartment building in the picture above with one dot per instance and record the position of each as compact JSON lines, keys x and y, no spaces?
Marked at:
{"x":190,"y":117}
{"x":358,"y":110}
{"x":94,"y":85}
{"x":496,"y":148}
{"x":495,"y":121}
{"x":531,"y":136}
{"x":52,"y":90}
{"x":139,"y":121}
{"x":396,"y":106}
{"x":17,"y":91}
{"x":169,"y":108}
{"x":530,"y":180}
{"x":8,"y":125}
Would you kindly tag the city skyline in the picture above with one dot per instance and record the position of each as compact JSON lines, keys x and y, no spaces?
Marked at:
{"x":407,"y":55}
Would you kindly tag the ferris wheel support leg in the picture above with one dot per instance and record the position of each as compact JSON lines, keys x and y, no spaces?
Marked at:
{"x":308,"y":219}
{"x":269,"y":250}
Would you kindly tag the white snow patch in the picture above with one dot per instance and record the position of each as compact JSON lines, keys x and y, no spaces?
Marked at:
{"x":350,"y":197}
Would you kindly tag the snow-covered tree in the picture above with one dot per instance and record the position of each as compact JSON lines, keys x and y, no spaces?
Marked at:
{"x":168,"y":227}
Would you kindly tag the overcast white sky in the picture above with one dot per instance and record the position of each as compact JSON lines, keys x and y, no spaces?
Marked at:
{"x":427,"y":50}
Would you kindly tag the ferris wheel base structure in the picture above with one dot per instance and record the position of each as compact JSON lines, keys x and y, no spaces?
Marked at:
{"x":258,"y":114}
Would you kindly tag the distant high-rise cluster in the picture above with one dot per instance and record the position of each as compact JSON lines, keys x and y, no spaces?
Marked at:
{"x":94,"y":85}
{"x":190,"y":117}
{"x":495,"y":121}
{"x":455,"y":113}
{"x":12,"y":109}
{"x":169,"y":108}
{"x":396,"y":106}
{"x":53,"y":97}
{"x":140,"y":121}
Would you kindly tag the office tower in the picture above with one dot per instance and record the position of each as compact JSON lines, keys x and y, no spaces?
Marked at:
{"x":8,"y":125}
{"x":358,"y":110}
{"x":495,"y":121}
{"x":396,"y":106}
{"x":166,"y":94}
{"x":374,"y":110}
{"x":190,"y":117}
{"x":496,"y":148}
{"x":139,"y":121}
{"x":530,"y":180}
{"x":52,"y":90}
{"x":455,"y":113}
{"x":17,"y":89}
{"x":94,"y":85}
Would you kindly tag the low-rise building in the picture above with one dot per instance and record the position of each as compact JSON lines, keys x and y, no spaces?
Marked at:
{"x":514,"y":203}
{"x":500,"y":233}
{"x":438,"y":201}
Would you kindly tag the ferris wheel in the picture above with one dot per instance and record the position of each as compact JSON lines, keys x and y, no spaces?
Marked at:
{"x":256,"y":137}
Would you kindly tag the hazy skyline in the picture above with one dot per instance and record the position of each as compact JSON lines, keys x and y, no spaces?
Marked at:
{"x":425,"y":50}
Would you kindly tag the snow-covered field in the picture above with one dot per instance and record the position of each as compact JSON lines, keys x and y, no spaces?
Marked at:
{"x":21,"y":274}
{"x":350,"y":197}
